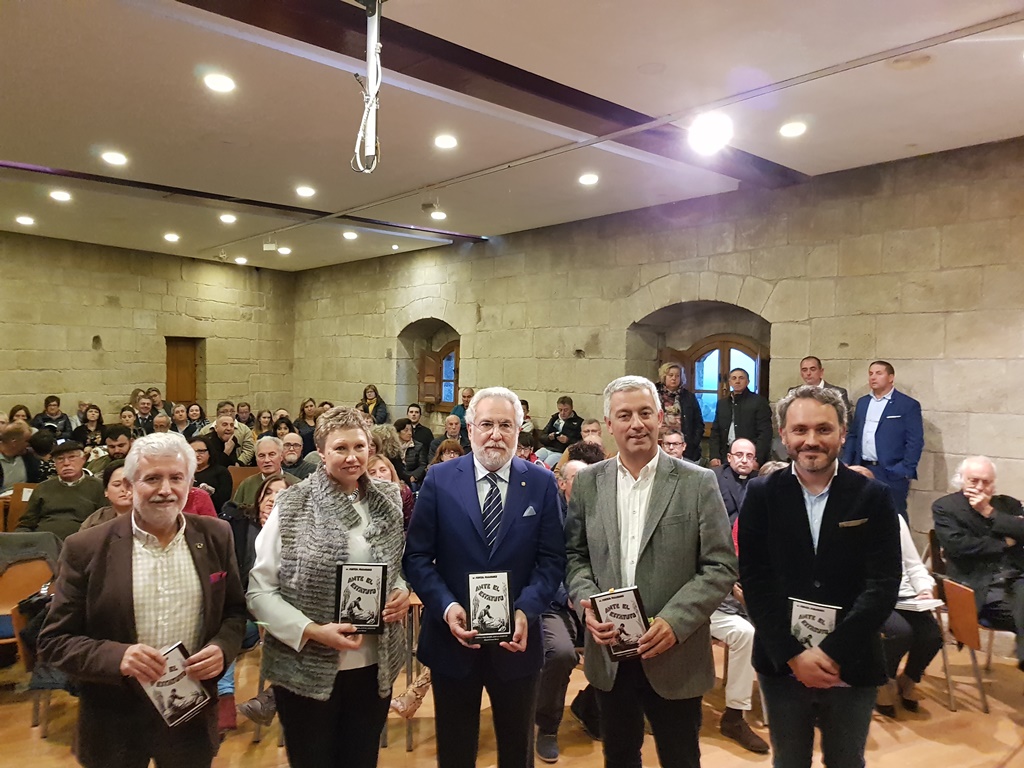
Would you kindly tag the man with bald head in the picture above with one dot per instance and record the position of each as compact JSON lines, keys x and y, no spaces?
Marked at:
{"x":741,"y":464}
{"x":452,"y":431}
{"x":981,"y":533}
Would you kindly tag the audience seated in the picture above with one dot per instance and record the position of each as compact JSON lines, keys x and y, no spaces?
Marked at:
{"x":224,"y":445}
{"x":460,"y":409}
{"x":21,"y":413}
{"x":263,"y":424}
{"x":562,"y":429}
{"x":212,"y":478}
{"x":159,"y":404}
{"x":117,"y":439}
{"x":61,"y":504}
{"x":130,"y":420}
{"x":590,"y":432}
{"x":196,"y":420}
{"x":452,"y":431}
{"x":144,"y":414}
{"x":373,"y":405}
{"x":420,"y":433}
{"x":90,"y":432}
{"x":293,"y":463}
{"x":269,"y":456}
{"x":117,"y":492}
{"x":42,"y":444}
{"x":244,"y":415}
{"x":161,"y":422}
{"x":305,"y":423}
{"x":52,"y":419}
{"x":524,"y":449}
{"x":414,"y":454}
{"x":17,"y":463}
{"x":239,"y":444}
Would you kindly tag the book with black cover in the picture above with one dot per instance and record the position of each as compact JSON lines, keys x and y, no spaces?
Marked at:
{"x":360,"y":594}
{"x":490,"y":607}
{"x":625,"y":609}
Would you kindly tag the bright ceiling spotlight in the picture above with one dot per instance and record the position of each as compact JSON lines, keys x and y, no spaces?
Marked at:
{"x":349,"y":235}
{"x":171,"y":237}
{"x":305,"y":191}
{"x":284,"y":250}
{"x":241,"y":260}
{"x":218,"y":82}
{"x":588,"y":179}
{"x":394,"y":247}
{"x":25,"y":221}
{"x":794,"y":129}
{"x":446,"y":141}
{"x":709,"y":133}
{"x":114,"y":158}
{"x":228,"y":218}
{"x":60,"y":195}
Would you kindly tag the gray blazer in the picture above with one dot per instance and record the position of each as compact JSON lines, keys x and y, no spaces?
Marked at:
{"x":687,"y":565}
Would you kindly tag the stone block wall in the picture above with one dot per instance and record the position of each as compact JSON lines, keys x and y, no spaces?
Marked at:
{"x":85,"y":321}
{"x":917,"y":261}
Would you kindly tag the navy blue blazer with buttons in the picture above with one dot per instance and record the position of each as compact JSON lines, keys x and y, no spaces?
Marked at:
{"x":446,"y":543}
{"x":857,"y":567}
{"x":899,"y":438}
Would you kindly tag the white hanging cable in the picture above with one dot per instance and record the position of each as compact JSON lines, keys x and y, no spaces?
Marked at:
{"x":367,"y":151}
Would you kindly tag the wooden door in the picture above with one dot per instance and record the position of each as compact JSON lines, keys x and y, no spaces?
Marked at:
{"x":182,"y":356}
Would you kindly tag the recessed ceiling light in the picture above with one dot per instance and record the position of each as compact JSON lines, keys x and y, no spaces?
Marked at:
{"x":394,"y":247}
{"x":170,"y":237}
{"x":349,"y":235}
{"x":219,"y":83}
{"x":305,"y":191}
{"x":910,"y":61}
{"x":114,"y":158}
{"x":794,"y":129}
{"x":241,"y":260}
{"x":284,"y":250}
{"x":27,"y":221}
{"x":438,"y":215}
{"x":709,"y":133}
{"x":588,"y":179}
{"x":228,"y":218}
{"x":445,"y":141}
{"x":60,"y":195}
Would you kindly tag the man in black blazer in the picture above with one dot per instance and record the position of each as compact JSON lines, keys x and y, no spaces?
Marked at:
{"x":819,"y":533}
{"x":982,"y":538}
{"x":740,"y":413}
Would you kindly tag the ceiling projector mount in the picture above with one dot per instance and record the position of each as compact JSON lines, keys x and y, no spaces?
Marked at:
{"x":367,"y":151}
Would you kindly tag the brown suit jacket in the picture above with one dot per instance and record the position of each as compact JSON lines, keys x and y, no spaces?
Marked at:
{"x":91,"y":623}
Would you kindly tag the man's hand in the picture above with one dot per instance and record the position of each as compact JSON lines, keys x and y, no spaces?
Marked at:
{"x":656,"y":640}
{"x":207,"y":663}
{"x":340,"y":637}
{"x":456,"y":619}
{"x":814,"y":669}
{"x":715,"y":463}
{"x":925,"y":594}
{"x":552,"y":436}
{"x":1011,"y":542}
{"x":518,"y":644}
{"x":144,"y":663}
{"x":397,"y":606}
{"x":563,"y":439}
{"x":737,"y":592}
{"x":604,"y":633}
{"x":230,"y":445}
{"x":979,"y":501}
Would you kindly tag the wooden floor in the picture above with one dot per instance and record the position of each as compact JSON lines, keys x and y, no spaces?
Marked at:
{"x":932,"y":738}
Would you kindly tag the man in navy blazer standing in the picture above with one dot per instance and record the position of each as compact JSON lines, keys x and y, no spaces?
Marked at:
{"x":488,"y":511}
{"x":887,"y":434}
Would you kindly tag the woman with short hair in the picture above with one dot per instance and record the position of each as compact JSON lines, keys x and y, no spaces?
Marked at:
{"x":682,"y":411}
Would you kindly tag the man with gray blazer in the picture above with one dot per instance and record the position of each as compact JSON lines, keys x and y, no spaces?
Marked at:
{"x":646,"y":519}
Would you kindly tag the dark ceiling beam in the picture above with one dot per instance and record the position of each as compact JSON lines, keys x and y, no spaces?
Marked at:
{"x":341,"y":27}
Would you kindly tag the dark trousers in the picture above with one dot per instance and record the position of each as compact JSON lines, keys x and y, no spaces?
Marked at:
{"x":842,"y":714}
{"x":559,"y":662}
{"x":1004,"y":610}
{"x":457,"y":715}
{"x":899,"y":488}
{"x":914,"y":635}
{"x":344,"y":730}
{"x":675,"y":722}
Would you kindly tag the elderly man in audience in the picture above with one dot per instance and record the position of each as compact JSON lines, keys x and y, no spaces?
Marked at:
{"x":118,"y":441}
{"x":128,"y":588}
{"x":563,"y":429}
{"x":223,"y":443}
{"x":161,"y":422}
{"x":740,"y":413}
{"x":292,"y":462}
{"x":269,"y":456}
{"x":52,"y":419}
{"x":17,"y":464}
{"x":62,"y":503}
{"x":243,"y":442}
{"x":982,"y":538}
{"x":733,"y":476}
{"x":460,"y":409}
{"x":452,"y":431}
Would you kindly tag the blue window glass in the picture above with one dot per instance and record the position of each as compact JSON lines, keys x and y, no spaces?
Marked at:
{"x":707,"y":401}
{"x":448,"y":367}
{"x":448,"y":391}
{"x":707,"y":372}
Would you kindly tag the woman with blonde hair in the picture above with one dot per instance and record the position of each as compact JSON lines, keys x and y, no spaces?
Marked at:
{"x":682,"y":411}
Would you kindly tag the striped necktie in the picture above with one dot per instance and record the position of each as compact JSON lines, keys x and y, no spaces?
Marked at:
{"x":492,"y":510}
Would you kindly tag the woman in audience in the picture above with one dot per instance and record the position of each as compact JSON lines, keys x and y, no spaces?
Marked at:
{"x":130,"y":420}
{"x":284,"y":427}
{"x":390,"y":445}
{"x":196,"y":420}
{"x":379,"y":467}
{"x":117,"y":492}
{"x":210,"y":476}
{"x":447,"y":450}
{"x":264,"y":424}
{"x":133,"y":398}
{"x":179,"y":420}
{"x":20,"y":413}
{"x":331,"y":686}
{"x":90,"y":433}
{"x":374,"y":405}
{"x":306,"y":423}
{"x":414,"y":455}
{"x":682,"y":411}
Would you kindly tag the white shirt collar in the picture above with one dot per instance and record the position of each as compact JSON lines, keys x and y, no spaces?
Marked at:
{"x":482,"y":471}
{"x":72,"y":485}
{"x":646,"y":471}
{"x":886,"y":396}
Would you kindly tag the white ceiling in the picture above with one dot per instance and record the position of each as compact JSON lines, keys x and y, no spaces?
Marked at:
{"x":78,"y":78}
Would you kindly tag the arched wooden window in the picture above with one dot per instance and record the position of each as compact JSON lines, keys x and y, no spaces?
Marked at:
{"x":438,"y":375}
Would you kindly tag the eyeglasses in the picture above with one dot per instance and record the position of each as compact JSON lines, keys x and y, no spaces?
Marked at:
{"x":504,"y":427}
{"x":676,"y":444}
{"x":742,"y":456}
{"x":200,"y":450}
{"x":451,"y":453}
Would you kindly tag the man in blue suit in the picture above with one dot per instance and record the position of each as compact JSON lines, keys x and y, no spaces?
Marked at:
{"x":488,"y":511}
{"x":887,"y":435}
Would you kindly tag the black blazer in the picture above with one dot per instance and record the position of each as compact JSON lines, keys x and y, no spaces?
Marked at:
{"x":733,"y":490}
{"x":974,"y":546}
{"x":572,"y":428}
{"x":753,"y":422}
{"x":857,"y":567}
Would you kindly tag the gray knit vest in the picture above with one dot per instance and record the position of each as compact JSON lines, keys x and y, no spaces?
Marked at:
{"x":314,"y":539}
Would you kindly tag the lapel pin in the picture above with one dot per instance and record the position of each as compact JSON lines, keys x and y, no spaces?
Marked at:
{"x":524,"y":483}
{"x":199,"y":545}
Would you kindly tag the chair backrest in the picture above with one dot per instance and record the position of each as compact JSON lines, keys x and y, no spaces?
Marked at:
{"x":238,"y":474}
{"x":20,"y":495}
{"x":21,"y":580}
{"x":963,"y":614}
{"x":935,"y":551}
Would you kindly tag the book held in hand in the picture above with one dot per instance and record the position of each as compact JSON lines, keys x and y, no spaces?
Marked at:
{"x":810,"y":622}
{"x":359,"y":596}
{"x":919,"y":605}
{"x":176,"y":696}
{"x":625,"y":609}
{"x":490,"y":607}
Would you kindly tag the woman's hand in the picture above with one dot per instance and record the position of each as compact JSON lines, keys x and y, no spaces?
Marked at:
{"x":397,"y":606}
{"x":340,"y":637}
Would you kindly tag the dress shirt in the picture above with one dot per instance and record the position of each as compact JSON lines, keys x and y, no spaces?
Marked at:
{"x":632,"y":498}
{"x":166,"y":590}
{"x":816,"y":504}
{"x":871,"y":419}
{"x":916,"y":578}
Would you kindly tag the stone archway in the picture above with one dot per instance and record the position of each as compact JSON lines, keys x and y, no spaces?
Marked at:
{"x":428,"y":334}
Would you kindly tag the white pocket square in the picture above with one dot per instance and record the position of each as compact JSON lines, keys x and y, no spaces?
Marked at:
{"x":897,"y":416}
{"x":530,"y":511}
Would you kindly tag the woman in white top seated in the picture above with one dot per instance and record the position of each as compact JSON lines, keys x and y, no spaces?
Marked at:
{"x":332,"y":687}
{"x":914,"y":634}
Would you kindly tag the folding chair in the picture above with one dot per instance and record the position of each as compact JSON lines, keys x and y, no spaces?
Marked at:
{"x":963,"y":624}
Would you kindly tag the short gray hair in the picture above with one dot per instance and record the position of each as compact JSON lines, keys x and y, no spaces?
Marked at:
{"x":629,"y":384}
{"x":957,"y":481}
{"x":501,"y":393}
{"x":160,"y":445}
{"x":823,"y":395}
{"x":271,"y":439}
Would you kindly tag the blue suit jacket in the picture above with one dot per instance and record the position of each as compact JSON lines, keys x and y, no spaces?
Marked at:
{"x":899,"y":438}
{"x":446,"y":543}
